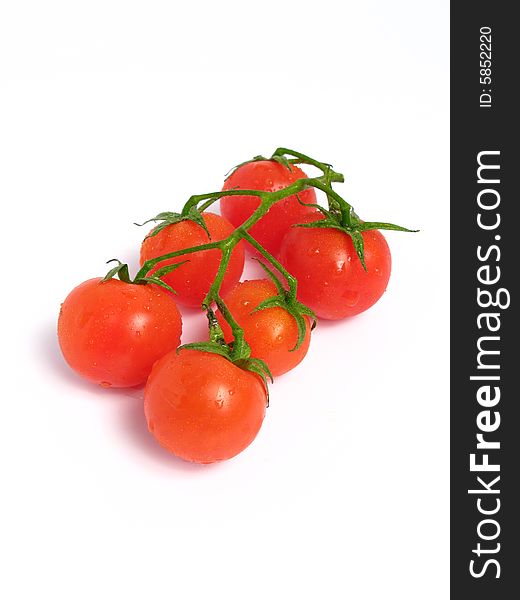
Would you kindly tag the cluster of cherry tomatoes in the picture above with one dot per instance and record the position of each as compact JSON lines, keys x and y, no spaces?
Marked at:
{"x":202,"y":406}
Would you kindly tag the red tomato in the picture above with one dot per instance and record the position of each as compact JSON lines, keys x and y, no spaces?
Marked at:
{"x":192,"y":280}
{"x":271,"y":333}
{"x":331,"y":278}
{"x":202,"y":407}
{"x":269,"y":176}
{"x":112,"y":332}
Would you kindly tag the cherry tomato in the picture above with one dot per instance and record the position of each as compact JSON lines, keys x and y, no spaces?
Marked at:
{"x":269,"y":176}
{"x":192,"y":280}
{"x":331,"y":278}
{"x":202,"y":407}
{"x":112,"y":332}
{"x":272,"y":332}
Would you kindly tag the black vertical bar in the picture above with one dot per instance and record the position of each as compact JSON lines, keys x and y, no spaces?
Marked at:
{"x":485,"y":124}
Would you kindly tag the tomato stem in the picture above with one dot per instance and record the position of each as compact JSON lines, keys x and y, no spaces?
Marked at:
{"x":331,"y":175}
{"x":291,"y":281}
{"x":339,"y":216}
{"x":150,"y":264}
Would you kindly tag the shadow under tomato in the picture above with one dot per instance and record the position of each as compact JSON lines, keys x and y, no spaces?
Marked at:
{"x":131,"y":416}
{"x":135,"y":425}
{"x":50,"y":354}
{"x":337,"y":323}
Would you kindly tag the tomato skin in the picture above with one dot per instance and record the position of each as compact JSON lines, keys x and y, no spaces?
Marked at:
{"x":331,"y":278}
{"x":269,"y":176}
{"x":112,"y":332}
{"x":272,"y":332}
{"x":192,"y":280}
{"x":203,"y":408}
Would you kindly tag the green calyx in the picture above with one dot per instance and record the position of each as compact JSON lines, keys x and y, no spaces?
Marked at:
{"x":237,"y":353}
{"x":191,"y":213}
{"x":123,"y":274}
{"x":286,"y":299}
{"x":341,"y":215}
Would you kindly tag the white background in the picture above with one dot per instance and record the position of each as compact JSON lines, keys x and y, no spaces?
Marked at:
{"x":112,"y":111}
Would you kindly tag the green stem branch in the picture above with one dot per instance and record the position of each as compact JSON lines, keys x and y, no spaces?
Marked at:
{"x":291,"y":281}
{"x":227,"y":245}
{"x":341,"y":214}
{"x":300,"y":158}
{"x":150,"y":264}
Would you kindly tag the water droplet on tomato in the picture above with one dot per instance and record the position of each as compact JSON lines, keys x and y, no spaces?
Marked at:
{"x":340,"y":268}
{"x":350,"y":297}
{"x":105,"y":384}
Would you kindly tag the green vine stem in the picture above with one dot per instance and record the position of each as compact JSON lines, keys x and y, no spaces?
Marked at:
{"x":291,"y":281}
{"x":340,"y":215}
